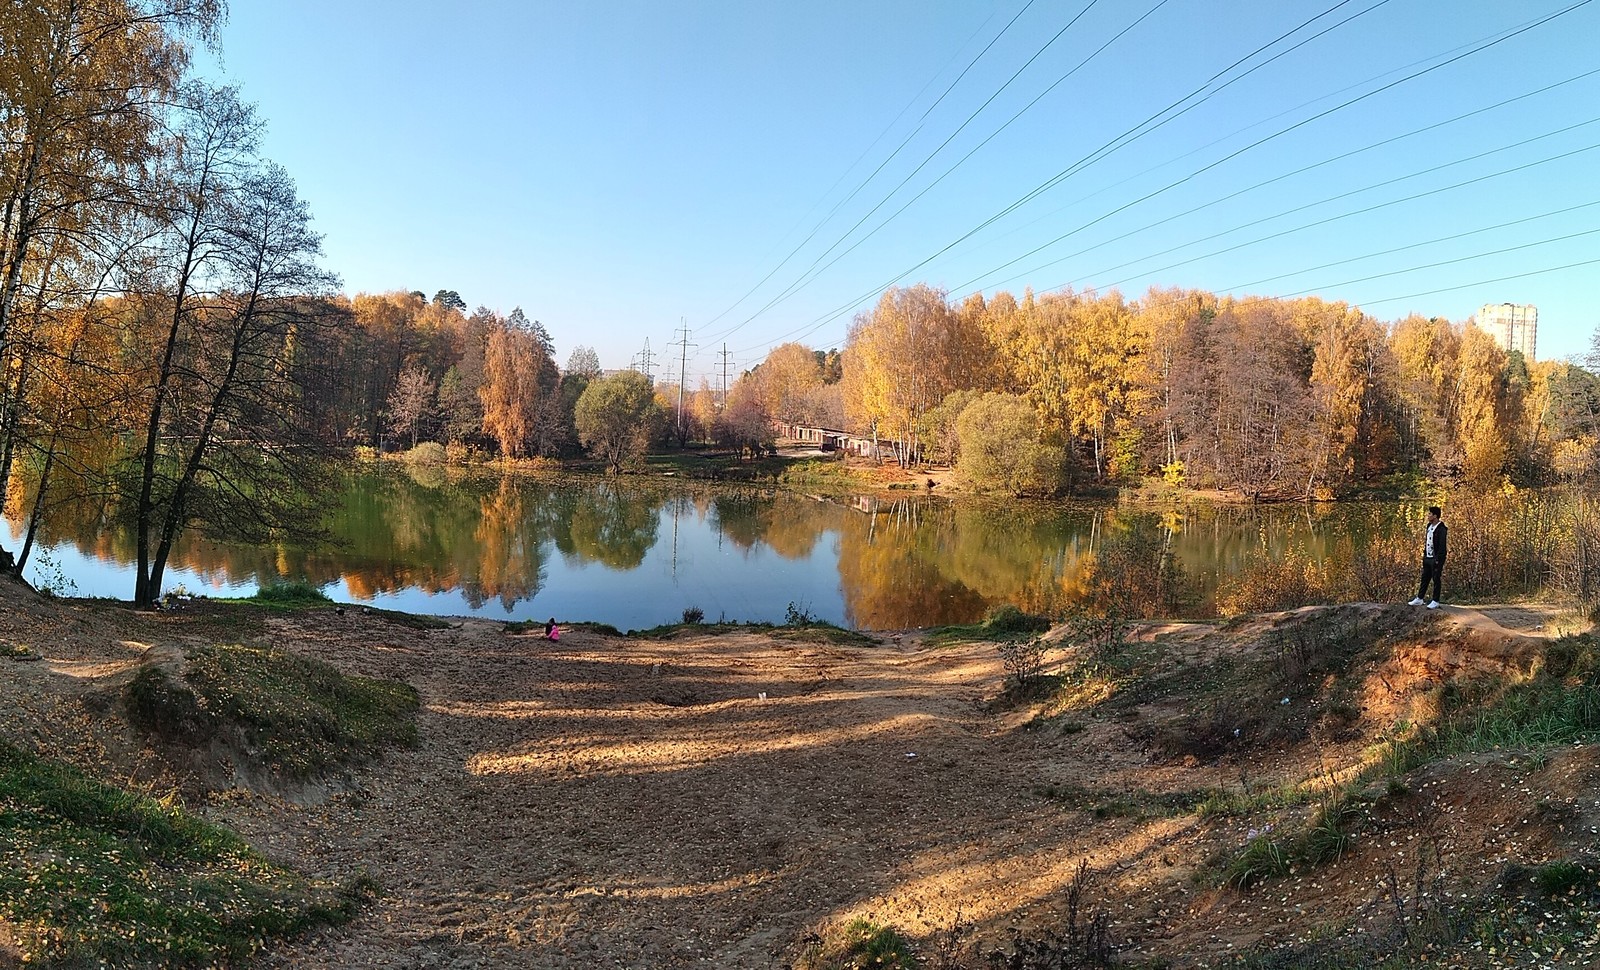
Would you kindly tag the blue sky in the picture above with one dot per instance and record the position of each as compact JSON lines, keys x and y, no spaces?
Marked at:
{"x":614,"y":168}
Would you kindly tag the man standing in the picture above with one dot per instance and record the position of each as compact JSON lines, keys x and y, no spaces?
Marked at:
{"x":1434,"y":548}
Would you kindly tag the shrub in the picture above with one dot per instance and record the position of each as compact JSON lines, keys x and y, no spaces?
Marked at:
{"x":1274,"y":584}
{"x":1023,"y":661}
{"x":1009,"y":619}
{"x":427,"y":453}
{"x":694,"y":614}
{"x":798,"y":616}
{"x":1003,"y":451}
{"x":1135,"y":572}
{"x":859,"y":945}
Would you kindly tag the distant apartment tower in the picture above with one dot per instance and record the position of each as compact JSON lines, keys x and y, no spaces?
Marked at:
{"x":1514,"y":326}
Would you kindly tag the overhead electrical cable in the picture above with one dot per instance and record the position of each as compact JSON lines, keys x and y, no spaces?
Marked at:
{"x":1119,"y":141}
{"x":1258,"y":143}
{"x":1124,"y":138}
{"x":1357,"y":212}
{"x":1453,"y":59}
{"x":1233,"y":287}
{"x":817,"y":271}
{"x":891,"y":157}
{"x":1255,"y":300}
{"x":804,"y":277}
{"x":1257,"y":124}
{"x":1443,"y":262}
{"x":1299,"y":171}
{"x":1466,"y":286}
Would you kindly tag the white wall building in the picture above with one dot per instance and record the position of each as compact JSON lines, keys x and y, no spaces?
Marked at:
{"x":1514,"y":326}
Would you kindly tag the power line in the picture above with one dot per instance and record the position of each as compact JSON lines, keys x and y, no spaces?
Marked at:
{"x":1252,"y":301}
{"x":1275,"y":135}
{"x":1400,"y":249}
{"x":803,"y":279}
{"x":891,"y":157}
{"x":1299,"y":171}
{"x":1257,"y":124}
{"x":1478,"y":48}
{"x":816,"y":271}
{"x":1334,"y":218}
{"x":1444,"y":262}
{"x":1120,"y":141}
{"x":1465,"y":286}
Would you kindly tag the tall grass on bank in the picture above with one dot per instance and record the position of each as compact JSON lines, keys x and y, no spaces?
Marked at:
{"x":1503,"y":544}
{"x":1560,"y":704}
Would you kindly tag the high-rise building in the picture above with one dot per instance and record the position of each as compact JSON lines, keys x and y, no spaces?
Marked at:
{"x":1514,"y":326}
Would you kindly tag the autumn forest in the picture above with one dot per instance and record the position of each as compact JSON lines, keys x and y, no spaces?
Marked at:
{"x":172,"y":342}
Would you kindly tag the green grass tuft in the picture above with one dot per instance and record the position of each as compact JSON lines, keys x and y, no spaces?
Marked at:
{"x":91,"y":875}
{"x":1004,"y":622}
{"x":1564,"y":876}
{"x":289,"y":596}
{"x":859,"y":945}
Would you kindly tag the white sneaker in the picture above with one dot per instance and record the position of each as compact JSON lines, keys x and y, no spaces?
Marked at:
{"x":1433,"y":605}
{"x":1415,"y":602}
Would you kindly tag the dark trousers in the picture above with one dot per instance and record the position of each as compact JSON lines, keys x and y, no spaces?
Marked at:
{"x":1432,"y":570}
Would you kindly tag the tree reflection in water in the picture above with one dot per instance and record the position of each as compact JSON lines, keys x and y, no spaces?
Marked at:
{"x":608,"y":525}
{"x":887,"y":562}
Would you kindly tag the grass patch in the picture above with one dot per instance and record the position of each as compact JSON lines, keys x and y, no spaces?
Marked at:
{"x":824,"y":475}
{"x":1565,"y":876}
{"x":1559,"y":705}
{"x":537,"y":626}
{"x":859,"y":945}
{"x":1500,"y":928}
{"x":1005,"y":622}
{"x":297,"y":715}
{"x":1325,"y":839}
{"x":800,"y":625}
{"x":91,"y":875}
{"x":1221,"y":803}
{"x":815,"y":631}
{"x":289,"y":597}
{"x":717,"y":466}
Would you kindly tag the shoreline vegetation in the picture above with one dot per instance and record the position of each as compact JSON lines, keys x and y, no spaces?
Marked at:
{"x":1270,"y":790}
{"x":803,"y":470}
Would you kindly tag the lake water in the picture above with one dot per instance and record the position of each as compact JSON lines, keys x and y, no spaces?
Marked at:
{"x":635,"y":555}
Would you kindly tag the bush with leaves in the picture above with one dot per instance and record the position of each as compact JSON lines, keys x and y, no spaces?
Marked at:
{"x":1023,"y":662}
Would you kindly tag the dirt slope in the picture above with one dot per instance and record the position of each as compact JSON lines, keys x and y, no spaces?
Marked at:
{"x":608,"y":802}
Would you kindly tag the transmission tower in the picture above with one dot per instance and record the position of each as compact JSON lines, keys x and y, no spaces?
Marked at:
{"x":683,"y":345}
{"x":723,"y":397}
{"x":645,"y":362}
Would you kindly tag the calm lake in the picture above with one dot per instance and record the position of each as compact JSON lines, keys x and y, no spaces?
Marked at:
{"x":635,"y":555}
